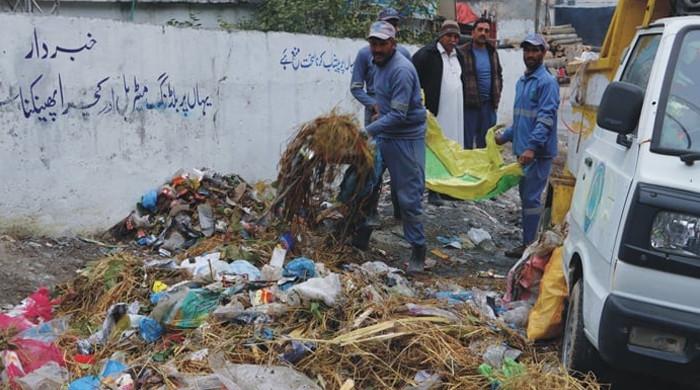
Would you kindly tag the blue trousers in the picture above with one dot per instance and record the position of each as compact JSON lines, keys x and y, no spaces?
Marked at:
{"x":532,"y":184}
{"x":368,"y":116}
{"x":405,"y":160}
{"x":477,"y":121}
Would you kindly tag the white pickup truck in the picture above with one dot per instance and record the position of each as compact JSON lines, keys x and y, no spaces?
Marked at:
{"x":632,"y":255}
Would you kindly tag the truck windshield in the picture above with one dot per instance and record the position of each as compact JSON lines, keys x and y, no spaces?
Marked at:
{"x":680,"y":123}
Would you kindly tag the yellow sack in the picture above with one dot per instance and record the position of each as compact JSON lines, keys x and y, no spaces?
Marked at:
{"x":466,"y":174}
{"x":546,"y":317}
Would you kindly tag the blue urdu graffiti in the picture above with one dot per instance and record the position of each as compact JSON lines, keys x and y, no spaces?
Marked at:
{"x":46,"y":99}
{"x":42,"y":52}
{"x":294,"y":59}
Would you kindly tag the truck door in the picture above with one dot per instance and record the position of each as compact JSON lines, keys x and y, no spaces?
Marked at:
{"x":604,"y":178}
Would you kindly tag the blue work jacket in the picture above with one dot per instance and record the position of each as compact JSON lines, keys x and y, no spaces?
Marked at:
{"x":401,"y":111}
{"x":363,"y":75}
{"x":535,"y":114}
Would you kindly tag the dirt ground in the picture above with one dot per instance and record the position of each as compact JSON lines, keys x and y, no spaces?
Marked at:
{"x":27,"y":263}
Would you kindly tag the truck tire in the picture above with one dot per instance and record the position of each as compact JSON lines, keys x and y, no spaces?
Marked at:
{"x":577,"y":353}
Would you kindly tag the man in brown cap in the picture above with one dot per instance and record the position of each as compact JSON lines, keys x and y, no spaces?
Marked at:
{"x":440,"y":69}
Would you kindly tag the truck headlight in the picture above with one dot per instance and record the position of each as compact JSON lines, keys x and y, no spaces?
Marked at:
{"x":676,"y":233}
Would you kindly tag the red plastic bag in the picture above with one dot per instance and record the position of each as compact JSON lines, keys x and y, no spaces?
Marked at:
{"x":34,"y":353}
{"x":12,"y":364}
{"x":39,"y":305}
{"x":19,"y":324}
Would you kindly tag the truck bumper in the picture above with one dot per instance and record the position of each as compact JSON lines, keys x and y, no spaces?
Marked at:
{"x":623,"y":319}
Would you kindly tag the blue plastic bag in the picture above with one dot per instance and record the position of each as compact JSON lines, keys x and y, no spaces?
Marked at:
{"x":150,"y":330}
{"x":455,"y":297}
{"x":92,"y":382}
{"x":300,"y":268}
{"x":243,"y":267}
{"x":149,"y":200}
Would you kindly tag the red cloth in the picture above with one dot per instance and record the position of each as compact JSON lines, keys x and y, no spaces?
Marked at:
{"x":465,"y":15}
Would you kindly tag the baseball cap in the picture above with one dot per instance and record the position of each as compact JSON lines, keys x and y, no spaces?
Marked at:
{"x":535,"y":40}
{"x":382,"y":30}
{"x":388,"y":13}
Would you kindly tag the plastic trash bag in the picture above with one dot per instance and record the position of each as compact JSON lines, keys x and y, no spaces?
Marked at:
{"x":150,"y":329}
{"x":516,"y":313}
{"x":35,"y":308}
{"x":50,"y":376}
{"x":258,"y":377}
{"x":187,"y":308}
{"x":211,"y":266}
{"x":455,"y":297}
{"x":18,"y":324}
{"x":111,"y":368}
{"x":149,"y":200}
{"x":301,"y":268}
{"x":243,"y":267}
{"x":47,"y":331}
{"x":39,"y":305}
{"x":495,"y":355}
{"x":425,"y":381}
{"x":478,"y":235}
{"x":33,"y":354}
{"x":546,"y":317}
{"x":320,"y":289}
{"x":206,"y":219}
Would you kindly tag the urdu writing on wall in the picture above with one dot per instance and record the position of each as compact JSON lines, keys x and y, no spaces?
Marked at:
{"x":47,"y":96}
{"x":293,"y":58}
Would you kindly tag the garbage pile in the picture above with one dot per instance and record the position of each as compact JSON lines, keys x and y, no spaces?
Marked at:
{"x":245,"y":312}
{"x":218,"y":289}
{"x":192,"y":205}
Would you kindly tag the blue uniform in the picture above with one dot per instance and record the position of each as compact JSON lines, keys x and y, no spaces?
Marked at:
{"x":535,"y":128}
{"x":400,"y":136}
{"x":363,"y":78}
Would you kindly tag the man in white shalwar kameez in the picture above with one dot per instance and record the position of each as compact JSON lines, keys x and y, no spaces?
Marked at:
{"x":440,"y":69}
{"x":451,"y":106}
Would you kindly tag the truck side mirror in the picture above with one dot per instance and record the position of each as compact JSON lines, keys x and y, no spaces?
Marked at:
{"x":620,"y":107}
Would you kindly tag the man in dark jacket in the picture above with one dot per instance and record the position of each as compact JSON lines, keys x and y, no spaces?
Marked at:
{"x":440,"y":70}
{"x":483,"y":82}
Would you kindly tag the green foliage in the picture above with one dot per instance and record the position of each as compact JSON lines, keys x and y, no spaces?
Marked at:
{"x":342,"y":18}
{"x":192,"y":22}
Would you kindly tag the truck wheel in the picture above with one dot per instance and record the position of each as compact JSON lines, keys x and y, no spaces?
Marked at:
{"x":577,"y":353}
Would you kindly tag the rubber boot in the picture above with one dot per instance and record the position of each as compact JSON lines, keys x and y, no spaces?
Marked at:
{"x":370,"y":208}
{"x":360,"y":239}
{"x":417,"y":261}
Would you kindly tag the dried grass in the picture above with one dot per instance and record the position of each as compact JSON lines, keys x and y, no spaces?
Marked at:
{"x":313,"y":162}
{"x":376,"y":344}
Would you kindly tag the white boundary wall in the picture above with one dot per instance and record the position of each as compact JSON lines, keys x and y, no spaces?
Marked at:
{"x":93,"y":113}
